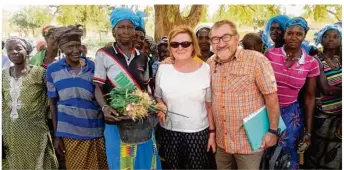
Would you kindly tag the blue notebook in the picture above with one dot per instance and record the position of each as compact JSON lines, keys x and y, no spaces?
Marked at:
{"x":257,"y":125}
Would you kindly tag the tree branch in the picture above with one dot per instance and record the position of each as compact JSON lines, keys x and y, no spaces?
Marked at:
{"x":333,"y":13}
{"x":249,"y":6}
{"x":196,"y":10}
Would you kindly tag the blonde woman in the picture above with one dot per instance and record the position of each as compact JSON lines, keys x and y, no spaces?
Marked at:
{"x":184,"y":88}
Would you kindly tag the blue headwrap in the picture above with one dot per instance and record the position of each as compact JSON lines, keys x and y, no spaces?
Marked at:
{"x":298,"y":21}
{"x":281,"y":20}
{"x":119,"y":14}
{"x":339,"y":23}
{"x":318,"y":36}
{"x":141,"y":22}
{"x":302,"y":23}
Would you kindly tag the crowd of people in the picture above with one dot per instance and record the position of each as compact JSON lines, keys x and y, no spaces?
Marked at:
{"x":56,"y":112}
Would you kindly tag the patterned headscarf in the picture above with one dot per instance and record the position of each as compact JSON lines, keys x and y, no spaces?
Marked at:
{"x":48,"y":30}
{"x":66,"y":34}
{"x":152,"y":44}
{"x":119,"y":14}
{"x":281,"y":20}
{"x":298,"y":21}
{"x":318,"y":36}
{"x":339,"y":23}
{"x":25,"y":43}
{"x":163,"y":40}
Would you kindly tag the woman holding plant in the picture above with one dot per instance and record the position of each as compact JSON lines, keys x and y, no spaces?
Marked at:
{"x":128,"y":143}
{"x":184,"y":88}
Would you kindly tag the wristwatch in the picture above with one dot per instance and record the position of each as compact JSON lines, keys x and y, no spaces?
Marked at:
{"x":275,"y":132}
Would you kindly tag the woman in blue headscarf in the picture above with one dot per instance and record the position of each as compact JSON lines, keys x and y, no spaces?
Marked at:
{"x":272,"y":36}
{"x":129,"y":144}
{"x":326,"y":149}
{"x":140,"y":31}
{"x":294,"y":69}
{"x":274,"y":31}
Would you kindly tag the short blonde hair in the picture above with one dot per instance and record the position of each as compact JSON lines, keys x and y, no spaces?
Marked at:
{"x":185,"y":29}
{"x":224,"y":22}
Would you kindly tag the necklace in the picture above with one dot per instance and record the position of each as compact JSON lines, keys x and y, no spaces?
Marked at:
{"x":335,"y":63}
{"x":289,"y":55}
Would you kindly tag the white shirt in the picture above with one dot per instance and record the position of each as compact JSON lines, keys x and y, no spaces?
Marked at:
{"x":186,"y":94}
{"x":6,"y":62}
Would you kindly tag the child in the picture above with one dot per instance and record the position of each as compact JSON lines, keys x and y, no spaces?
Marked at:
{"x":252,"y":41}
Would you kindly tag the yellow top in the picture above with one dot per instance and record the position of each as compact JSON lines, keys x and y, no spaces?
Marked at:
{"x":198,"y":59}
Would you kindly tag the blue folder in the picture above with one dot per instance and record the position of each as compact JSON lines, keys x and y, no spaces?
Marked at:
{"x":257,"y":125}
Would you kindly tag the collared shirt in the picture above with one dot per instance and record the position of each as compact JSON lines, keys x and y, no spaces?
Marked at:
{"x":109,"y":62}
{"x":237,"y":88}
{"x":291,"y":80}
{"x":78,"y":114}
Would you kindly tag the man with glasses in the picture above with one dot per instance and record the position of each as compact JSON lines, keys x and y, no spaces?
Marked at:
{"x":242,"y":81}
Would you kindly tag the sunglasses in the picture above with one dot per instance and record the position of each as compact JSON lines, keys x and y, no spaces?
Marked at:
{"x":184,"y":44}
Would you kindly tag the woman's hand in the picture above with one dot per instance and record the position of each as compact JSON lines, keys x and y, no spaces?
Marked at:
{"x":211,"y":143}
{"x":161,"y":114}
{"x":59,"y":146}
{"x":168,"y":60}
{"x":339,"y":130}
{"x":111,"y":116}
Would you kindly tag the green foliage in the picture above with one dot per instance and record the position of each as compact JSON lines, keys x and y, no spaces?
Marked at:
{"x":247,"y":15}
{"x":205,"y":14}
{"x":31,"y":17}
{"x":321,"y":13}
{"x":95,"y":16}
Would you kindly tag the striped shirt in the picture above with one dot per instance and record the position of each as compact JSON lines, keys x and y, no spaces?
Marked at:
{"x":78,"y":114}
{"x":330,"y":104}
{"x":291,"y":80}
{"x":237,"y":89}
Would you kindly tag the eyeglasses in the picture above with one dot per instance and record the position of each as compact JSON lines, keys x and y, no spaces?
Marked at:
{"x":184,"y":44}
{"x":225,"y":38}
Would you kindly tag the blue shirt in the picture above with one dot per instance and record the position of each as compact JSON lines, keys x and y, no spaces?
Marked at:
{"x":78,"y":114}
{"x":155,"y":66}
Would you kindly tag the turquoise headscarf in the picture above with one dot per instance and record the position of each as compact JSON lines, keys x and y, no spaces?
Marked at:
{"x":318,"y":36}
{"x":119,"y":14}
{"x":281,"y":20}
{"x":297,"y":21}
{"x":140,"y":19}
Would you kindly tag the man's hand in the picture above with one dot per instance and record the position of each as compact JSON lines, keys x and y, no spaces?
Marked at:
{"x":269,"y":140}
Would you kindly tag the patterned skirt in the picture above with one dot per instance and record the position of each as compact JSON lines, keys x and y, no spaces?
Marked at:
{"x":125,"y":156}
{"x":85,"y":154}
{"x":293,"y":119}
{"x":325,"y":151}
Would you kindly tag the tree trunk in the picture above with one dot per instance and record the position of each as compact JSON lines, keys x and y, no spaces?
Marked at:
{"x":168,"y":16}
